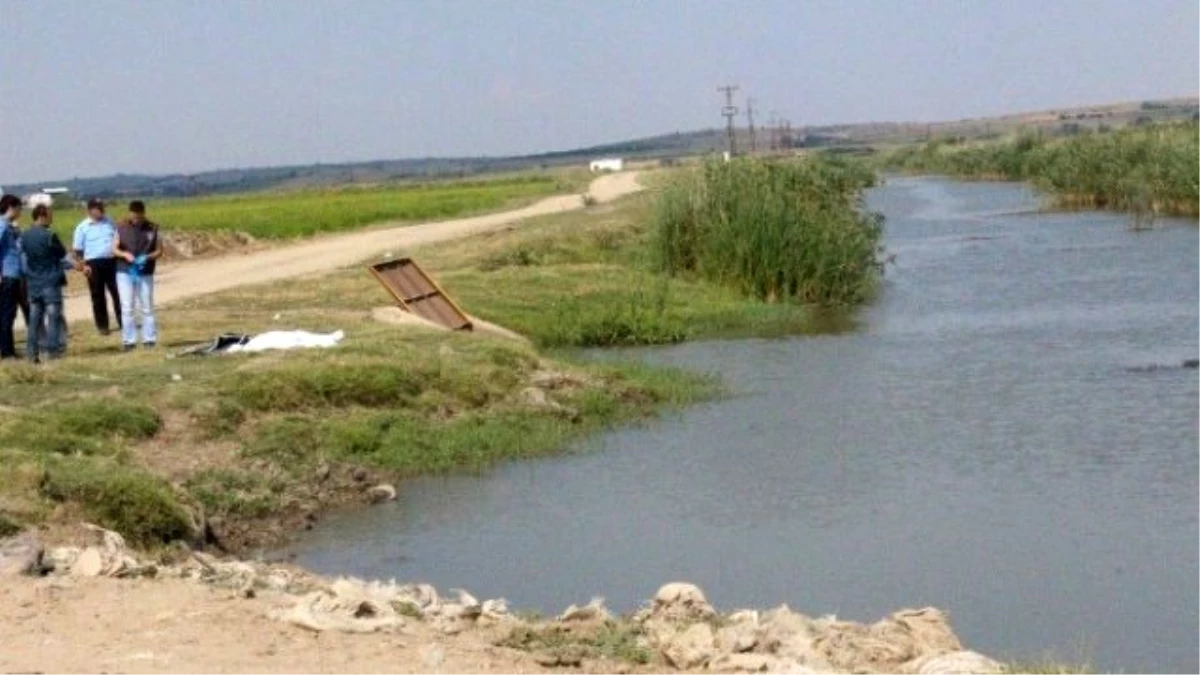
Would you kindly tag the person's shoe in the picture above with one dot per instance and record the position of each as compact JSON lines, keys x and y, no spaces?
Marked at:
{"x":128,"y":348}
{"x":105,"y":332}
{"x":149,"y":345}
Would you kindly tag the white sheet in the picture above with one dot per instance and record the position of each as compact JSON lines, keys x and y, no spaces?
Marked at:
{"x":289,"y":339}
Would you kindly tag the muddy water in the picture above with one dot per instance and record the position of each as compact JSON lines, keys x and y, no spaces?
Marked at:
{"x":994,"y":440}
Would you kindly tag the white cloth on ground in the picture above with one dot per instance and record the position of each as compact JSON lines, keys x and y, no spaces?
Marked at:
{"x":289,"y":339}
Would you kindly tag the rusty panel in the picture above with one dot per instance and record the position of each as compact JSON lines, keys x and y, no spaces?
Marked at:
{"x":417,"y":292}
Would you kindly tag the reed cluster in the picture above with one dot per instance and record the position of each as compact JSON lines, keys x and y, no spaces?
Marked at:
{"x":777,"y":230}
{"x":1151,"y":169}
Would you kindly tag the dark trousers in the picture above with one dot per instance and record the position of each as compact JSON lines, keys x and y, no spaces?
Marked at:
{"x":10,"y":299}
{"x":104,"y":276}
{"x":23,"y":300}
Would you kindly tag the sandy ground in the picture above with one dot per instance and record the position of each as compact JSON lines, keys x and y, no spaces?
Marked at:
{"x":107,"y":625}
{"x":179,"y":280}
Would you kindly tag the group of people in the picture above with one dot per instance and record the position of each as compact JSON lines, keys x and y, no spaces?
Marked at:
{"x":118,"y":260}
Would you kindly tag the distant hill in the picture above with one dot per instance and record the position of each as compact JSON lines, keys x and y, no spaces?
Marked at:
{"x":848,"y":138}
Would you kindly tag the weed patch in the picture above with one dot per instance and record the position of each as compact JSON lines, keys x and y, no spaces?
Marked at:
{"x":611,"y":640}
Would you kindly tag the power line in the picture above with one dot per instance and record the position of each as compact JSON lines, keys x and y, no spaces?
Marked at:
{"x":729,"y":111}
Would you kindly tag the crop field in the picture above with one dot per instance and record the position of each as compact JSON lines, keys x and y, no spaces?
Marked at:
{"x":301,"y":213}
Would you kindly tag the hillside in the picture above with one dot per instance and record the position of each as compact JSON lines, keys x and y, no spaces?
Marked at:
{"x":855,"y":138}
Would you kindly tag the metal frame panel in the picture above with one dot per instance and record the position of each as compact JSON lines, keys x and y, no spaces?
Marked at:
{"x":417,"y":292}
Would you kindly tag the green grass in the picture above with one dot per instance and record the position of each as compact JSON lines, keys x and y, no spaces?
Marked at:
{"x":300,"y":213}
{"x":775,"y":230}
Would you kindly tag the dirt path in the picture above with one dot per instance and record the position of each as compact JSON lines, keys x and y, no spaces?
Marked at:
{"x":179,"y":280}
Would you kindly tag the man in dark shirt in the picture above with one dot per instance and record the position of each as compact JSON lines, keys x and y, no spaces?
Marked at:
{"x":44,"y":254}
{"x":137,"y":248}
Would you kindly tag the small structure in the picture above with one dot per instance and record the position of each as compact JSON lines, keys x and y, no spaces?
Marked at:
{"x":607,"y":164}
{"x":47,"y":197}
{"x":37,"y":199}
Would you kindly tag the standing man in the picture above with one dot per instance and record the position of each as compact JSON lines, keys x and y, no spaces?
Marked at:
{"x":137,"y":249}
{"x":95,"y":237}
{"x":44,"y":255}
{"x":11,"y":272}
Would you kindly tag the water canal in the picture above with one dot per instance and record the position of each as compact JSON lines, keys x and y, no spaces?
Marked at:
{"x":996,"y":439}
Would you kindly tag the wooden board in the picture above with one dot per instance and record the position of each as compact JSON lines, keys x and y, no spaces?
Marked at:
{"x":417,"y":292}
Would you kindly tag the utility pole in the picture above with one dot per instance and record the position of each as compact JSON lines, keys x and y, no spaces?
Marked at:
{"x":729,"y":111}
{"x":773,"y":125}
{"x":750,"y":119}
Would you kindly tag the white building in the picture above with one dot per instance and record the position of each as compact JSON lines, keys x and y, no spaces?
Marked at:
{"x":608,"y":164}
{"x":46,"y":196}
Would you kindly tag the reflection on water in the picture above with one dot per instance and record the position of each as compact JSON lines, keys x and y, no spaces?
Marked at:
{"x":985,"y":442}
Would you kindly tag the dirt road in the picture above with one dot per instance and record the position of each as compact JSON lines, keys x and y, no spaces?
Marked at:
{"x":179,"y":280}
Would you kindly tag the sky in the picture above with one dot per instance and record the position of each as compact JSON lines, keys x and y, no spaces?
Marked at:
{"x":93,"y":88}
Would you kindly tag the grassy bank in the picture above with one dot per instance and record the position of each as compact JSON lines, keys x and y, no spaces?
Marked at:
{"x":299,"y":213}
{"x":142,"y":443}
{"x":259,"y":444}
{"x":1144,"y":170}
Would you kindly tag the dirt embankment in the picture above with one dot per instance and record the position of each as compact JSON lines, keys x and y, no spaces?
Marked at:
{"x":101,"y":608}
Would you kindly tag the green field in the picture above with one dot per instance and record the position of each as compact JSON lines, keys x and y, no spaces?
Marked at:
{"x":301,"y":213}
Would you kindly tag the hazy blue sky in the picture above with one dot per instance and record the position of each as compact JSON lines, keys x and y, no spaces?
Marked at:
{"x":92,"y":88}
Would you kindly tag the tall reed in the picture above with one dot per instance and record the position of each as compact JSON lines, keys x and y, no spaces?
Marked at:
{"x":1144,"y":169}
{"x":776,"y":230}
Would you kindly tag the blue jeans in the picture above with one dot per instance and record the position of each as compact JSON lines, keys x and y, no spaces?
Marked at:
{"x":137,"y":293}
{"x":45,"y":324}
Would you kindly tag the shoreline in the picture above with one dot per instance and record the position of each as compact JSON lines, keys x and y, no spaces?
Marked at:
{"x":285,"y":619}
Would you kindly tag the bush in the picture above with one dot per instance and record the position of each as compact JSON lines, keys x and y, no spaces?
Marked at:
{"x":775,"y":230}
{"x":140,"y":506}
